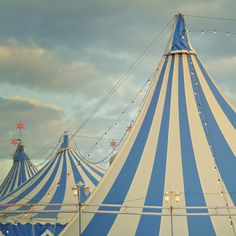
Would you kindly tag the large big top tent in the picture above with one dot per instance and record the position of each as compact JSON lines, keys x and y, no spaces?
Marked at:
{"x":45,"y":203}
{"x":21,"y":170}
{"x":175,"y":174}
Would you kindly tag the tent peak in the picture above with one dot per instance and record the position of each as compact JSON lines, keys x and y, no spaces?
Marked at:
{"x":20,"y":154}
{"x":65,"y":141}
{"x":179,"y":41}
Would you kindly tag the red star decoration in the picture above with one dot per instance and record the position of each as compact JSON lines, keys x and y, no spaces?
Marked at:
{"x":129,"y":128}
{"x":20,"y":125}
{"x":14,"y":141}
{"x":113,"y":143}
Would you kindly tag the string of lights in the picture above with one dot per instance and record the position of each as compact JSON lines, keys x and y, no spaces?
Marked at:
{"x":121,"y":115}
{"x":123,"y":78}
{"x":214,"y":31}
{"x":211,"y":17}
{"x":203,"y":117}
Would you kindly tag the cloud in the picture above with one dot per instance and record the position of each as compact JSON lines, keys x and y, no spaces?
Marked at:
{"x":43,"y":123}
{"x":59,"y":58}
{"x":35,"y":67}
{"x":222,"y":70}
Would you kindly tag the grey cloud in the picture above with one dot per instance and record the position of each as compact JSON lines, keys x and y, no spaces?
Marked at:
{"x":43,"y":123}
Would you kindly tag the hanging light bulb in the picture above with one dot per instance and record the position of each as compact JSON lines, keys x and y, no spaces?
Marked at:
{"x":202,"y":32}
{"x":228,"y":34}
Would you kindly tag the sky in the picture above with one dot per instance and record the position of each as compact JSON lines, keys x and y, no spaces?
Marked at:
{"x":59,"y":58}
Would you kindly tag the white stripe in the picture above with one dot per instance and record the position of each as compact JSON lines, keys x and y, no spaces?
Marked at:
{"x":174,"y":174}
{"x":225,"y":125}
{"x":69,"y":197}
{"x":84,"y":177}
{"x":95,"y":175}
{"x":204,"y":160}
{"x":220,"y":91}
{"x":107,"y":181}
{"x":127,"y":225}
{"x":32,"y":193}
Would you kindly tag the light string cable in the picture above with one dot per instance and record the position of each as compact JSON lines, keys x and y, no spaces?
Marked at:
{"x":52,"y":147}
{"x":228,"y":33}
{"x":109,"y":155}
{"x":211,"y":18}
{"x":123,"y":78}
{"x":199,"y":98}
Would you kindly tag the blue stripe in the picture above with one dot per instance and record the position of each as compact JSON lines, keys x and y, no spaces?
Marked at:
{"x":26,"y":229}
{"x":93,"y":169}
{"x":22,"y":173}
{"x":43,"y":191}
{"x":123,"y":181}
{"x":224,"y":157}
{"x":29,"y":169}
{"x":229,"y":112}
{"x":14,"y":177}
{"x":59,"y":194}
{"x":7,"y":180}
{"x":93,"y":180}
{"x":192,"y":182}
{"x":19,"y":173}
{"x":28,"y":190}
{"x":77,"y":176}
{"x":150,"y":225}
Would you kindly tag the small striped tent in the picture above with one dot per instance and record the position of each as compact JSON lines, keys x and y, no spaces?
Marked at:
{"x":51,"y":190}
{"x":175,"y":173}
{"x":21,"y":170}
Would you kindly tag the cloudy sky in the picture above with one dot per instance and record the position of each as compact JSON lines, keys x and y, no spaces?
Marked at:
{"x":59,"y":58}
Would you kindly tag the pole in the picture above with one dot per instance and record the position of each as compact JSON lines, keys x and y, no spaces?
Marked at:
{"x":79,"y":201}
{"x":80,"y":217}
{"x":171,"y":220}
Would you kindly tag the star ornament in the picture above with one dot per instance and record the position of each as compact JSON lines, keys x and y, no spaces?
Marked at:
{"x":20,"y":125}
{"x":14,"y":141}
{"x":113,"y":143}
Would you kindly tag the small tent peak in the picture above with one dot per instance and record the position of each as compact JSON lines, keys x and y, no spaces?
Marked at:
{"x":179,"y":41}
{"x":65,"y":141}
{"x":20,"y":154}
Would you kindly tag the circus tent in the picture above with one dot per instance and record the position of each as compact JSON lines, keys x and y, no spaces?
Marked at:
{"x":21,"y":170}
{"x":175,"y":174}
{"x":46,"y":202}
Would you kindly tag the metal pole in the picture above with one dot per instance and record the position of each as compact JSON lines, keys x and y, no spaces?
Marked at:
{"x":171,"y":220}
{"x":80,"y":218}
{"x":79,"y":200}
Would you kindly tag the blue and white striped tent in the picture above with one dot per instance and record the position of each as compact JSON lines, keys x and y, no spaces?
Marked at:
{"x":21,"y":170}
{"x":175,"y":174}
{"x":52,"y":184}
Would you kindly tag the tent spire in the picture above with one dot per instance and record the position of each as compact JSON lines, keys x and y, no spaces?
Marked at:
{"x":179,"y":41}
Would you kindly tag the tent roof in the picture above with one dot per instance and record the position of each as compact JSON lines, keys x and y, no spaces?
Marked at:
{"x":53,"y":185}
{"x":180,"y":154}
{"x":21,"y":170}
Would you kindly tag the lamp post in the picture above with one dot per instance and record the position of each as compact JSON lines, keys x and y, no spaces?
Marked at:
{"x":171,"y":197}
{"x":77,"y":192}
